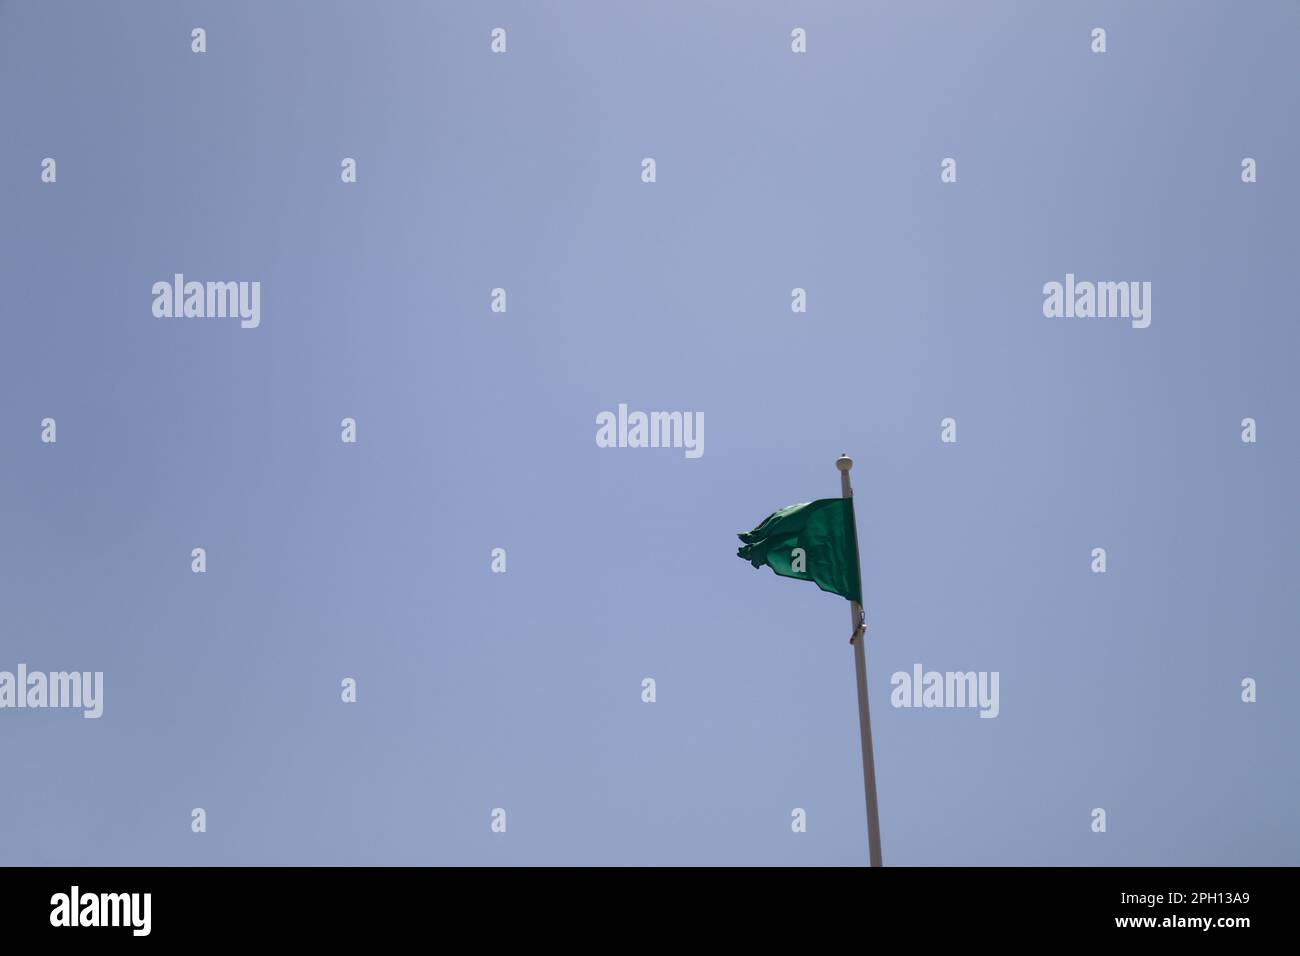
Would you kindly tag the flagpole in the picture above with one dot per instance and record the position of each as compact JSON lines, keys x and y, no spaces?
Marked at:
{"x":858,"y":640}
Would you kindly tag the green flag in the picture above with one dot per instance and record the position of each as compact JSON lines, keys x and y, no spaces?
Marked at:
{"x":815,"y":541}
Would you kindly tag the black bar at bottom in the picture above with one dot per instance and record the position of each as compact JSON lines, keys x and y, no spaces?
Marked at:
{"x":673,"y":906}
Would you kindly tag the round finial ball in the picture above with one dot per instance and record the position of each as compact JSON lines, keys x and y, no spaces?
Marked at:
{"x":844,"y":463}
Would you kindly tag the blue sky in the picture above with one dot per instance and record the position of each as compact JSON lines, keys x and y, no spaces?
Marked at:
{"x":476,"y":430}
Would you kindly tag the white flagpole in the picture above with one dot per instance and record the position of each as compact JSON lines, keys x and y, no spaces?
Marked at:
{"x":858,"y":640}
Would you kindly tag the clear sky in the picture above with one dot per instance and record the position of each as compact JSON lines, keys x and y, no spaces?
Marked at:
{"x":476,"y":430}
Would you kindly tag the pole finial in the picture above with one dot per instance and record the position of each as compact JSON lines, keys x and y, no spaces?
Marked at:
{"x":844,"y":463}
